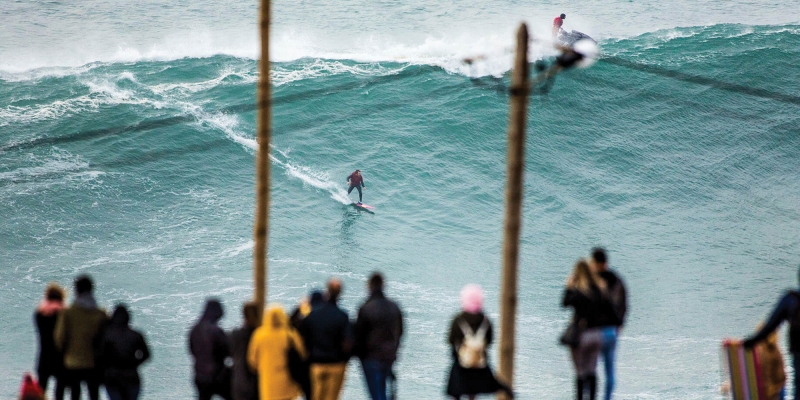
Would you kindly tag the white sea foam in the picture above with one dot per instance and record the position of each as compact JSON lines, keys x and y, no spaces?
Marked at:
{"x":228,"y":124}
{"x":102,"y":91}
{"x":57,"y":162}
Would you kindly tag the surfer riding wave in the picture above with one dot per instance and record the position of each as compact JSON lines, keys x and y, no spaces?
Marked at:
{"x":356,"y":181}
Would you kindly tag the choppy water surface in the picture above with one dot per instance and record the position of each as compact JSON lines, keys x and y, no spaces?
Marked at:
{"x":127,"y":151}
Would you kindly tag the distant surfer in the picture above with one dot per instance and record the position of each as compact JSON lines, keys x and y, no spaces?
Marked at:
{"x":557,"y":23}
{"x":356,"y":181}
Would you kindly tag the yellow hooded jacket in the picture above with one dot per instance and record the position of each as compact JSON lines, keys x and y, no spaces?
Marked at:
{"x":267,"y":355}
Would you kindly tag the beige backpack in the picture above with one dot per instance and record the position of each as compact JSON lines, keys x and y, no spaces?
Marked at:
{"x":472,"y":351}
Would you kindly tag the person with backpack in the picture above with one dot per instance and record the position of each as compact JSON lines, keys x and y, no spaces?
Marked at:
{"x":586,"y":294}
{"x":611,"y":318}
{"x":469,"y":338}
{"x":788,"y":309}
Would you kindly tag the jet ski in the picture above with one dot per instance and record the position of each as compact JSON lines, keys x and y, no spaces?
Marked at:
{"x":569,"y":38}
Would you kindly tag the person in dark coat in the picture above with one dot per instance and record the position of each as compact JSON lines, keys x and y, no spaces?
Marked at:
{"x":328,"y":338}
{"x":302,"y":373}
{"x":244,"y":382}
{"x":586,"y":294}
{"x":612,"y":319}
{"x":50,"y":361}
{"x":377,"y":331}
{"x":208,"y":345}
{"x":478,"y":379}
{"x":122,"y":351}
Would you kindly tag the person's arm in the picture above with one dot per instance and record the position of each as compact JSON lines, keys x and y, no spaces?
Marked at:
{"x":297,"y":343}
{"x":252,"y":351}
{"x":362,"y":182}
{"x":779,"y":314}
{"x":359,"y":333}
{"x":347,"y":338}
{"x":144,"y":349}
{"x":569,"y":298}
{"x":59,"y":333}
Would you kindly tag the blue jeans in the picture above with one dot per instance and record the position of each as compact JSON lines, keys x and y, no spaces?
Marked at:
{"x":123,"y":392}
{"x":607,"y":350}
{"x":375,"y":374}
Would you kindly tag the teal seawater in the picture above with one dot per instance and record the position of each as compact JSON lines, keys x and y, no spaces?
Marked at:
{"x":142,"y":174}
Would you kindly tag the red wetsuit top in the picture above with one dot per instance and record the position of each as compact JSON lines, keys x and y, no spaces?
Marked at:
{"x":356,"y":180}
{"x":557,"y":21}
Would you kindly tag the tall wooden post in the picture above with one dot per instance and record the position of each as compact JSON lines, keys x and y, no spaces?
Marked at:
{"x":263,"y":127}
{"x":518,"y":110}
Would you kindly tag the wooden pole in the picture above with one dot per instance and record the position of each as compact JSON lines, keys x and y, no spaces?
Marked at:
{"x":263,"y":127}
{"x":518,"y":109}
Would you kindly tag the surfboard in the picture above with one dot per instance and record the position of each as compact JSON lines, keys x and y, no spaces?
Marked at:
{"x":363,"y":206}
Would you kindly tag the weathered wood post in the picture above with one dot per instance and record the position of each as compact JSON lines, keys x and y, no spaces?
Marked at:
{"x":263,"y":127}
{"x":518,"y":109}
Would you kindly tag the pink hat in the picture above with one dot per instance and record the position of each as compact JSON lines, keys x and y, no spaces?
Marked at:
{"x":472,"y":298}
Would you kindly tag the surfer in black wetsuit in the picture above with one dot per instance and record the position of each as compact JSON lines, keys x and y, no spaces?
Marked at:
{"x":356,"y":181}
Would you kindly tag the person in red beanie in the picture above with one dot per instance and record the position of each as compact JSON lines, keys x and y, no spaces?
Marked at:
{"x":30,"y":389}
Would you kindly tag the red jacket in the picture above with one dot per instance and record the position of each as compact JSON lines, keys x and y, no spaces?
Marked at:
{"x":356,"y":180}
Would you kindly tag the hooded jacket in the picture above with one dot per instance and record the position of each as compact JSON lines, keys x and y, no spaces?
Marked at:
{"x":78,"y":332}
{"x":378,"y":329}
{"x":209,"y":345}
{"x":123,"y":350}
{"x":268,"y":355}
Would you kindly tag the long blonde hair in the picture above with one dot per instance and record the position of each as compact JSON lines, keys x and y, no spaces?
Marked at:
{"x":583,"y":278}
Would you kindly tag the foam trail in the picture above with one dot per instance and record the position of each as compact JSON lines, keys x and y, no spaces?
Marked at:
{"x":308,"y":176}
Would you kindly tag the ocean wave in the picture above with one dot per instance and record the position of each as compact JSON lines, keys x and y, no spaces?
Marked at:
{"x":102,"y":91}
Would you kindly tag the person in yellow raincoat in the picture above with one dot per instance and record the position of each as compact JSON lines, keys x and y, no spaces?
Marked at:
{"x":267,"y":355}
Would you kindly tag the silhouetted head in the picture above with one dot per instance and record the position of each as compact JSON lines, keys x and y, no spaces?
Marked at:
{"x":316,"y":298}
{"x":358,"y":172}
{"x":54,"y":292}
{"x":213,"y":311}
{"x":83,"y":284}
{"x":334,"y":289}
{"x":375,"y":282}
{"x":600,"y":259}
{"x":250,"y":313}
{"x":563,"y":16}
{"x":121,"y":316}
